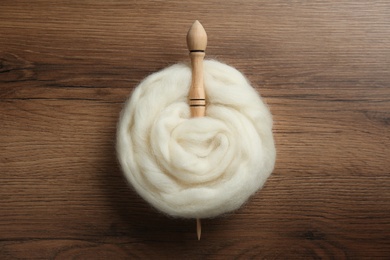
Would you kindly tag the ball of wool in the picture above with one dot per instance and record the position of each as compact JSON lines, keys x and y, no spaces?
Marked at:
{"x":196,"y":167}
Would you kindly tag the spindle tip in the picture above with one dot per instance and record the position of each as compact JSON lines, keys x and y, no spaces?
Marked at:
{"x":198,"y":228}
{"x":196,"y":37}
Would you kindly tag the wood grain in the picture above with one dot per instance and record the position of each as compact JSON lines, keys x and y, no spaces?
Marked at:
{"x":67,"y":67}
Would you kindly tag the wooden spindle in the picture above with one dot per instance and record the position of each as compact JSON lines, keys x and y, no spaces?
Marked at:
{"x":197,"y":42}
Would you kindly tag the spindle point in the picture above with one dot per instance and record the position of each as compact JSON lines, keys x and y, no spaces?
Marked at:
{"x":196,"y":37}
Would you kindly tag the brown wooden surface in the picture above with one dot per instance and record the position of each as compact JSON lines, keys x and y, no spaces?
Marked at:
{"x":66,"y":69}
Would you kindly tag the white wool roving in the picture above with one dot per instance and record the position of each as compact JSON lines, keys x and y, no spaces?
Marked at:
{"x":196,"y":167}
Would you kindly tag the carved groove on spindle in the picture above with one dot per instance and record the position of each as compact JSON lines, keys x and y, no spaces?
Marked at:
{"x":197,"y":102}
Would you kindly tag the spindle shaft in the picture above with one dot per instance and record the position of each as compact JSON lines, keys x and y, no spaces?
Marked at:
{"x":197,"y":42}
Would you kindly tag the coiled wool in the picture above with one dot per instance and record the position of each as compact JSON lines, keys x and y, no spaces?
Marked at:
{"x":196,"y":167}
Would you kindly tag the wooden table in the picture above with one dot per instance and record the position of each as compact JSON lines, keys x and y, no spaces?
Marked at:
{"x":66,"y":69}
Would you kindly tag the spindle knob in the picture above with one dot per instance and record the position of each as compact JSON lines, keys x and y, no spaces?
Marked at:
{"x":196,"y":37}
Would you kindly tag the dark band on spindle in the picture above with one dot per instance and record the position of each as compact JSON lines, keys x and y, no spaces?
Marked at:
{"x":197,"y":102}
{"x":196,"y":50}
